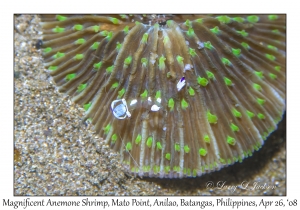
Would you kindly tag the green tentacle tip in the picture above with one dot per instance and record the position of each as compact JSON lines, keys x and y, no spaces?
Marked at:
{"x":210,"y":75}
{"x":144,"y":94}
{"x":188,"y":23}
{"x":158,"y":94}
{"x":208,"y":45}
{"x":137,"y":23}
{"x":95,"y":45}
{"x":272,"y":47}
{"x":119,"y":46}
{"x":70,"y":76}
{"x":104,"y":33}
{"x":114,"y":20}
{"x":230,"y":140}
{"x":202,"y":81}
{"x":257,"y":87}
{"x":126,"y":29}
{"x":190,"y":32}
{"x":275,"y":31}
{"x":250,"y":114}
{"x":207,"y":139}
{"x":177,"y":147}
{"x":272,"y":76}
{"x":107,"y":129}
{"x":96,"y":28}
{"x":61,"y":18}
{"x":144,"y":62}
{"x":229,"y":161}
{"x":158,"y":145}
{"x":138,"y":139}
{"x":87,"y":106}
{"x":215,"y":30}
{"x":265,"y":135}
{"x":270,"y":57}
{"x":78,"y":56}
{"x":277,"y":68}
{"x":52,"y":68}
{"x":186,"y":149}
{"x":260,"y":101}
{"x":81,"y":87}
{"x":135,"y":169}
{"x":236,"y":113}
{"x":166,"y":39}
{"x":239,"y":19}
{"x":271,"y":129}
{"x":202,"y":152}
{"x":211,"y":118}
{"x":277,"y":119}
{"x":192,"y":52}
{"x":242,"y":33}
{"x":121,"y":92}
{"x":224,"y":19}
{"x":253,"y":19}
{"x":114,"y":138}
{"x":47,"y":49}
{"x":97,"y":66}
{"x":245,"y":45}
{"x":189,"y":172}
{"x":171,"y":104}
{"x":109,"y":35}
{"x":256,"y":148}
{"x":236,"y":52}
{"x":179,"y":59}
{"x":145,"y":38}
{"x":58,"y":55}
{"x":127,"y":60}
{"x":199,"y":20}
{"x":167,"y":169}
{"x":226,"y":62}
{"x":80,"y":41}
{"x":115,"y":85}
{"x":194,"y":172}
{"x":227,"y":81}
{"x":146,"y":168}
{"x":128,"y":146}
{"x":176,"y":168}
{"x":78,"y":27}
{"x":58,"y":29}
{"x":260,"y":74}
{"x":109,"y":69}
{"x":273,"y":17}
{"x":168,"y":156}
{"x":149,"y":142}
{"x":161,"y":63}
{"x":261,"y":116}
{"x":156,"y":169}
{"x":191,"y":91}
{"x":222,"y":161}
{"x":234,"y":127}
{"x":184,"y":171}
{"x":184,"y":104}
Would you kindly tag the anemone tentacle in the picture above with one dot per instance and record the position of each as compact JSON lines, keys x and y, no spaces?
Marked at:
{"x":203,"y":91}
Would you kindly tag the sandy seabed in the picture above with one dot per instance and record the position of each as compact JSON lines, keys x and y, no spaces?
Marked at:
{"x":56,"y":153}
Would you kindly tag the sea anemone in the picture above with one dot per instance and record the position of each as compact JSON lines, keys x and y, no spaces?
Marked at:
{"x":175,"y":95}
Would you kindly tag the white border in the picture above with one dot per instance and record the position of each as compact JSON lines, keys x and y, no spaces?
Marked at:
{"x":8,"y":8}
